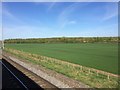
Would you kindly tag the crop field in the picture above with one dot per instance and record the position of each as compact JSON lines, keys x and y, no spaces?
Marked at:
{"x":102,"y":56}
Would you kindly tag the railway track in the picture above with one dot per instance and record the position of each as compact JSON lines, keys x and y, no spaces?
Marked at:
{"x":10,"y":80}
{"x":26,"y":79}
{"x":13,"y":78}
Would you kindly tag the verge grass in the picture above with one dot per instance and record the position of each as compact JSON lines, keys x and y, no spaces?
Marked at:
{"x":91,"y":79}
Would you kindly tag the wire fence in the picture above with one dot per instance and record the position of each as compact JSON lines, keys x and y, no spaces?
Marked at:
{"x":80,"y":68}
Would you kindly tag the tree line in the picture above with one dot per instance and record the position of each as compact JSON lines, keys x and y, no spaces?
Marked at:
{"x":64,"y":40}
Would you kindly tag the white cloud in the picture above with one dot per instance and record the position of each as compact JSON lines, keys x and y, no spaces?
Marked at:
{"x":63,"y":18}
{"x":7,"y":14}
{"x":65,"y":23}
{"x":51,"y":5}
{"x":111,"y":11}
{"x":72,"y":22}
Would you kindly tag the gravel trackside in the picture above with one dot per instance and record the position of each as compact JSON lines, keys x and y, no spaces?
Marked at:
{"x":57,"y":79}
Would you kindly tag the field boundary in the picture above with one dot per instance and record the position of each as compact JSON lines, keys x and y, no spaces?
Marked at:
{"x":77,"y":69}
{"x":82,"y":68}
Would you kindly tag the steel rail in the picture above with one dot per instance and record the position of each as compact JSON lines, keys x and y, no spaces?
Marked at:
{"x":14,"y":76}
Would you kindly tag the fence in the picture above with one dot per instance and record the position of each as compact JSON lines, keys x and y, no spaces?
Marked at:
{"x":87,"y":70}
{"x":83,"y":68}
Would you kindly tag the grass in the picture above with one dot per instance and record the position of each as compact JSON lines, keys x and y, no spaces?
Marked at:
{"x":91,"y":79}
{"x":95,"y":55}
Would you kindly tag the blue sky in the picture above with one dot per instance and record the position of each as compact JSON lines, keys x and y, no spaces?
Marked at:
{"x":58,"y":19}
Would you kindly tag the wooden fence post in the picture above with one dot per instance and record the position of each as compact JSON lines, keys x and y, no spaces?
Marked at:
{"x":81,"y":68}
{"x":97,"y":73}
{"x":108,"y":77}
{"x":68,"y":65}
{"x":89,"y":71}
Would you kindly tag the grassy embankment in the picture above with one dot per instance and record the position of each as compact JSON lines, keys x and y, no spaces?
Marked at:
{"x":99,"y":56}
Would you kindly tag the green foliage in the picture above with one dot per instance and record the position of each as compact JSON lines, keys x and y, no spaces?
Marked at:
{"x":102,"y":56}
{"x":64,"y":40}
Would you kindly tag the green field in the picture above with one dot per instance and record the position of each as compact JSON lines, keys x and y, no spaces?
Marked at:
{"x":102,"y":56}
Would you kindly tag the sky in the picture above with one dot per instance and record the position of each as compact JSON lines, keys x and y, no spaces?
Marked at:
{"x":58,"y":19}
